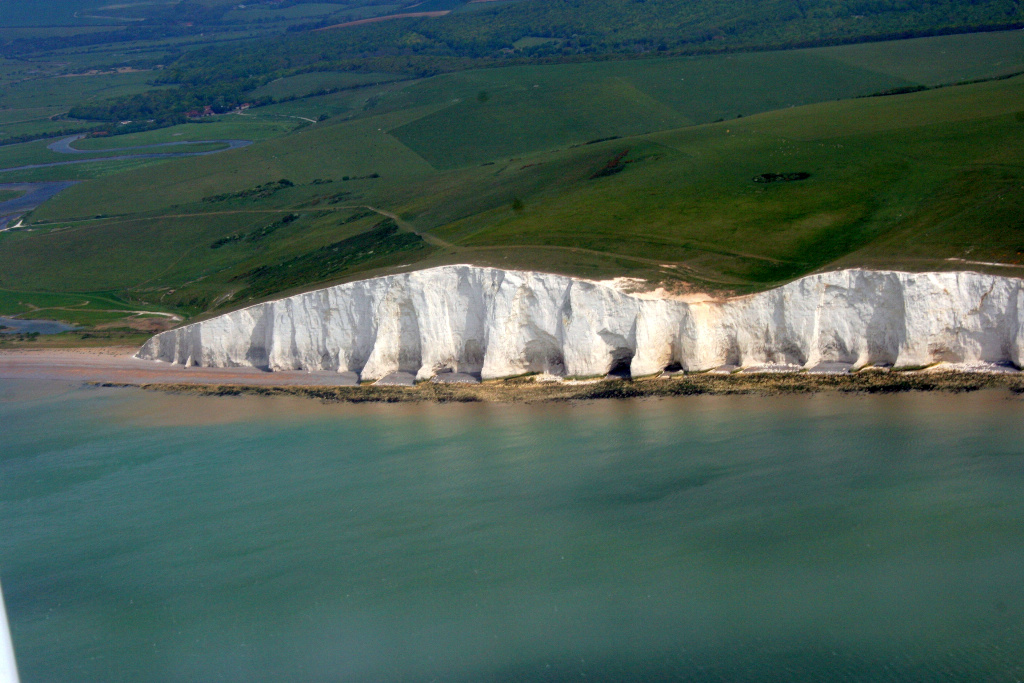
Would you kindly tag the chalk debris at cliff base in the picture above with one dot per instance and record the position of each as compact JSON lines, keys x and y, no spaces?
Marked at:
{"x":528,"y":389}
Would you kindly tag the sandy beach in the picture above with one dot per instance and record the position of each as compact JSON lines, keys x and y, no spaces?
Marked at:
{"x":116,"y":365}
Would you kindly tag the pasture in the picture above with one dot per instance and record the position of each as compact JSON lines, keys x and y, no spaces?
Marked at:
{"x":204,"y":135}
{"x":67,"y":90}
{"x":938,"y":60}
{"x":84,"y":309}
{"x":302,"y":85}
{"x":494,"y":114}
{"x":227,"y":127}
{"x":602,"y":169}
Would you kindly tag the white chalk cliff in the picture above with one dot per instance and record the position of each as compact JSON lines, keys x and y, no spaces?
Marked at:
{"x":500,"y":323}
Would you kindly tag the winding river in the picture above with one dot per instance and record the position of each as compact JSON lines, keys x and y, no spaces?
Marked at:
{"x":37,"y":193}
{"x":63,"y":146}
{"x":33,"y":194}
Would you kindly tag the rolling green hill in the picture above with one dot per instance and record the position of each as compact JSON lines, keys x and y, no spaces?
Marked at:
{"x":602,"y":169}
{"x":499,"y":113}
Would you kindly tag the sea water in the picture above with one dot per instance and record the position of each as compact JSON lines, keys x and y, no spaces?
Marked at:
{"x":152,"y":537}
{"x":19,"y":326}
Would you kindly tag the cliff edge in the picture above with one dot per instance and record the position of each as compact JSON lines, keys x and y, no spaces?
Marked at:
{"x":499,"y":323}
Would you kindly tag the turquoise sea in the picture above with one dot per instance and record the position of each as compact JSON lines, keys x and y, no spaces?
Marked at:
{"x":152,"y":537}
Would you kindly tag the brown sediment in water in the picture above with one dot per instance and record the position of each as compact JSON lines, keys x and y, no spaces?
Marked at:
{"x":115,"y":367}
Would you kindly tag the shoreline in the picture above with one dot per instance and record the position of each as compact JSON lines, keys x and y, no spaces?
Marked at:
{"x":527,"y":390}
{"x":115,"y":367}
{"x":503,"y":322}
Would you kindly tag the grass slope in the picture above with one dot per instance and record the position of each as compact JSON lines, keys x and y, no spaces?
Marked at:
{"x":933,"y":61}
{"x":905,"y":181}
{"x":304,"y":84}
{"x":222,"y":128}
{"x":880,"y":168}
{"x":504,"y":112}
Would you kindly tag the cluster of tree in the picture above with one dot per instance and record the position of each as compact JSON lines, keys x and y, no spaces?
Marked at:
{"x":781,"y":177}
{"x":19,"y":336}
{"x":167,"y":106}
{"x":327,"y":262}
{"x":183,"y":12}
{"x":617,"y":164}
{"x":257,"y":234}
{"x":259,"y":192}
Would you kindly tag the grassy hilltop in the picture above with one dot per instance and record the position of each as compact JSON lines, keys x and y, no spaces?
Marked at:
{"x":732,"y":173}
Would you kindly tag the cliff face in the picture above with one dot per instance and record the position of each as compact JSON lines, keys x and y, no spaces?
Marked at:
{"x":499,"y":323}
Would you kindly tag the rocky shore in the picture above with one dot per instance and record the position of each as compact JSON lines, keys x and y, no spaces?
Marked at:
{"x":534,"y":389}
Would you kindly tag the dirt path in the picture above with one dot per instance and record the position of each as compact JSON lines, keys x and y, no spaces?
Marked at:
{"x":408,"y":227}
{"x":386,"y":17}
{"x":76,"y":309}
{"x":286,"y":116}
{"x":456,"y":249}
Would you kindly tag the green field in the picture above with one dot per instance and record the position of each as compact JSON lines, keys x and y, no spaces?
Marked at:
{"x":85,"y":308}
{"x":934,"y":61}
{"x":217,"y":128}
{"x":305,"y":84}
{"x":35,"y":97}
{"x":31,"y":114}
{"x":285,"y":14}
{"x":257,"y":12}
{"x":687,"y":200}
{"x":684,"y":207}
{"x":87,"y":171}
{"x":548,"y":107}
{"x":219,"y":249}
{"x":642,"y":168}
{"x":347,"y":103}
{"x":327,"y":150}
{"x":442,"y":121}
{"x":37,"y":152}
{"x":61,"y":91}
